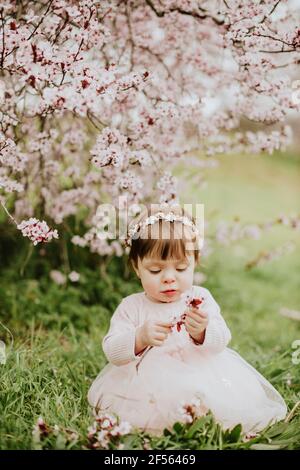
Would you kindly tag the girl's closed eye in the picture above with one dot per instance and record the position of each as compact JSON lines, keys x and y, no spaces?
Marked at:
{"x":182,"y":269}
{"x":152,"y":271}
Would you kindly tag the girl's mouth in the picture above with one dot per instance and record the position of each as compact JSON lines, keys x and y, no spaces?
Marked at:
{"x":170,"y":292}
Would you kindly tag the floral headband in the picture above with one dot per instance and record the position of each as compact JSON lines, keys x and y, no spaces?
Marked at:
{"x":133,"y":233}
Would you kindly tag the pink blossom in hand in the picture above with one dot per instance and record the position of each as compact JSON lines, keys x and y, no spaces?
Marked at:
{"x":191,"y":302}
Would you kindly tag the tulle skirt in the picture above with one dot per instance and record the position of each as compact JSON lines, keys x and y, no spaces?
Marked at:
{"x":151,"y":395}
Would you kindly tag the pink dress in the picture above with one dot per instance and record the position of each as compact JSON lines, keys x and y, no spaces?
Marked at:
{"x":150,"y":389}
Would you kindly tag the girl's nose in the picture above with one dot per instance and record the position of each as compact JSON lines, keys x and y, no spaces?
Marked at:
{"x":168,"y":277}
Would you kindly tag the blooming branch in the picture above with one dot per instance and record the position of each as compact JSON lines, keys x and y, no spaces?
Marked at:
{"x":37,"y":231}
{"x":105,"y":97}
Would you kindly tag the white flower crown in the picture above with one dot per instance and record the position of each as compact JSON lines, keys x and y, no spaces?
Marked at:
{"x":133,"y":233}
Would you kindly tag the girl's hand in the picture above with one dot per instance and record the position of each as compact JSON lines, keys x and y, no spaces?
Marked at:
{"x":196,"y":323}
{"x":154,"y":333}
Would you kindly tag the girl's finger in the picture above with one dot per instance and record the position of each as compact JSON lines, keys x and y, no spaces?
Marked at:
{"x":157,"y":343}
{"x":163,"y":323}
{"x":192,"y":323}
{"x":199,"y":312}
{"x":201,"y":316}
{"x":197,"y":317}
{"x":163,"y":329}
{"x":160,"y":336}
{"x":196,"y":326}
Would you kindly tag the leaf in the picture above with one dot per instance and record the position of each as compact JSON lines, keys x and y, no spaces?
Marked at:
{"x":277,"y":429}
{"x":276,"y":372}
{"x":195,"y":427}
{"x":235,"y":433}
{"x":60,"y":442}
{"x":128,"y":441}
{"x":285,"y":442}
{"x":265,"y":447}
{"x":178,"y":427}
{"x":167,"y":432}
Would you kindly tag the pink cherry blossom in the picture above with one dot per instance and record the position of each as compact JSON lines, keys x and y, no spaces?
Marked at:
{"x":106,"y":428}
{"x":189,"y":412}
{"x":58,"y":277}
{"x":74,"y":276}
{"x":105,"y":98}
{"x":37,"y":231}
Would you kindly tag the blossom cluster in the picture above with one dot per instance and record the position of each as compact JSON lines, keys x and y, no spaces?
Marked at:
{"x":189,"y":412}
{"x":60,"y":279}
{"x":190,"y":302}
{"x":267,"y":256}
{"x":227,"y":233}
{"x":42,"y":431}
{"x":37,"y":231}
{"x":106,"y":429}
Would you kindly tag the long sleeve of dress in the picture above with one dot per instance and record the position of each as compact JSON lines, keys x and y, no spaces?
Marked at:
{"x":217,"y":334}
{"x":119,"y":343}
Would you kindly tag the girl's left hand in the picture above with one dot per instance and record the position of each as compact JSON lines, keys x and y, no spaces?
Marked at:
{"x":196,"y":323}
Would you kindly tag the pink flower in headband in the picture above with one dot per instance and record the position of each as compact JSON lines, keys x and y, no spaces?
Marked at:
{"x":133,"y":233}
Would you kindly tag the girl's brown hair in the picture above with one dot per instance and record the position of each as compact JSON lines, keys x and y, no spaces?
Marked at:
{"x":163,"y":239}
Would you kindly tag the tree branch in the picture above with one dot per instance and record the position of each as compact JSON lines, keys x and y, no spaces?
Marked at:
{"x":194,"y":14}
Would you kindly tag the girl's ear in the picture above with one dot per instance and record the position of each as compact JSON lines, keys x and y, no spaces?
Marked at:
{"x":137,"y":272}
{"x":136,"y":269}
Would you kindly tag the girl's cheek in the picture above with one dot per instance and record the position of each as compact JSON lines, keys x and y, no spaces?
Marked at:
{"x":151,"y":281}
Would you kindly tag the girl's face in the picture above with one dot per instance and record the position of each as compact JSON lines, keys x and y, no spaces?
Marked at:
{"x":166,"y":280}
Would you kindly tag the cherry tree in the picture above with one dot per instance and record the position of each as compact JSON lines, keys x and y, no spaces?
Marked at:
{"x":101,"y":99}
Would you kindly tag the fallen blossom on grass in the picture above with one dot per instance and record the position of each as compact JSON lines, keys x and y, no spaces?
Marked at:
{"x":107,"y":429}
{"x":43,"y":434}
{"x":288,"y":379}
{"x":250,"y":435}
{"x":147,"y":444}
{"x":189,"y":412}
{"x":40,"y":430}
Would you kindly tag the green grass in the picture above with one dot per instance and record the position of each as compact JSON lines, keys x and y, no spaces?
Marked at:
{"x":54,"y":338}
{"x":254,"y":188}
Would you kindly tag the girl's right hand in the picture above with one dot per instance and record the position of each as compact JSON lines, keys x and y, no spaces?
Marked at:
{"x":154,"y":333}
